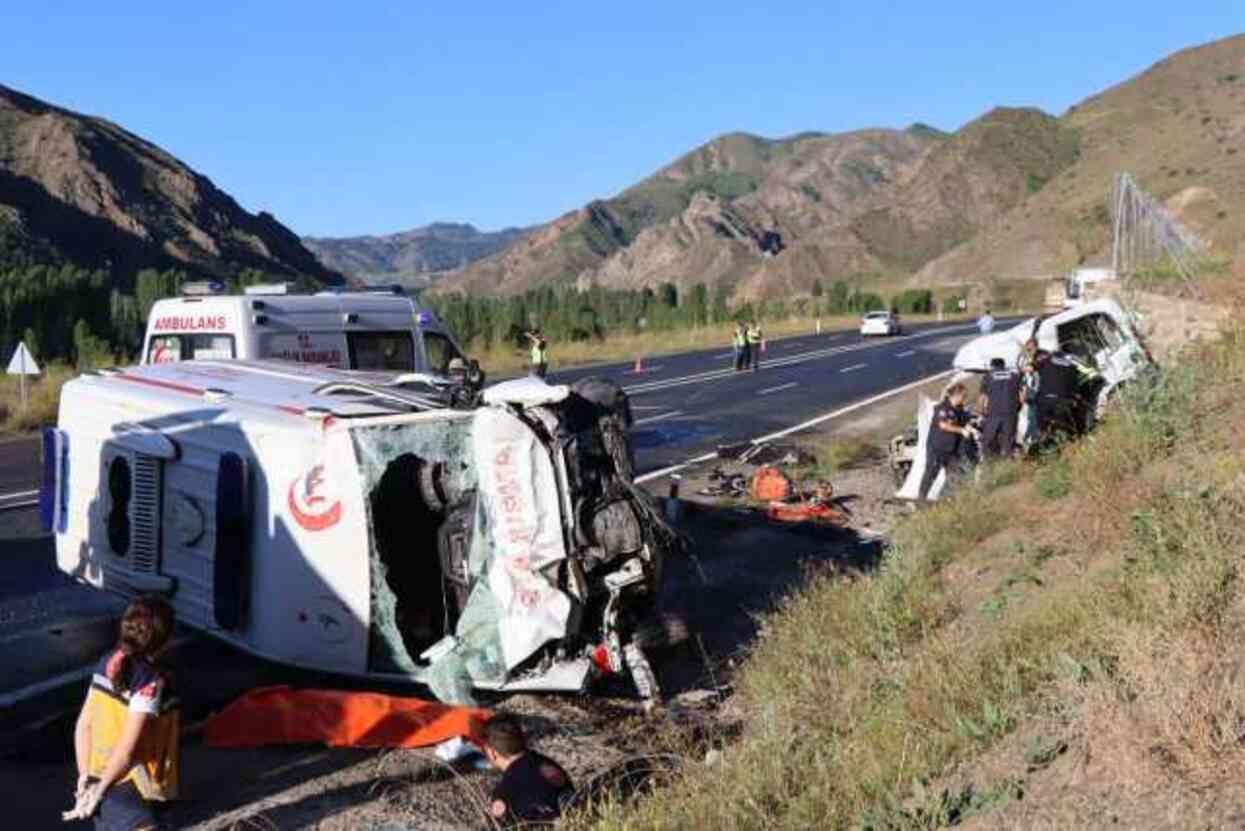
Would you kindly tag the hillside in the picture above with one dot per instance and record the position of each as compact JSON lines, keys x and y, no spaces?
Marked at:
{"x":1016,"y":193}
{"x":1178,"y":127}
{"x":80,"y":190}
{"x":770,"y":217}
{"x":416,"y":256}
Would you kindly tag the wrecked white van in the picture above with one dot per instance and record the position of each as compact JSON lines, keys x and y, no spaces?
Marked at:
{"x":362,"y":523}
{"x":1098,"y":334}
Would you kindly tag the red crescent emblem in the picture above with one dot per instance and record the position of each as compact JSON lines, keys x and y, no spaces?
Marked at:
{"x":313,"y":513}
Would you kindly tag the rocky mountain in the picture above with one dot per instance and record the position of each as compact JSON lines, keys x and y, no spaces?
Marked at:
{"x":1015,"y":193}
{"x":414,"y":257}
{"x":1178,"y":127}
{"x":770,"y":217}
{"x":81,"y":190}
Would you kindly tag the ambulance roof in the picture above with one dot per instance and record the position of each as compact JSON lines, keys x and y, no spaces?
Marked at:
{"x":273,"y":390}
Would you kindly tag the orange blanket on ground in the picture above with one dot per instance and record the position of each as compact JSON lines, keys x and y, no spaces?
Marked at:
{"x":282,"y":715}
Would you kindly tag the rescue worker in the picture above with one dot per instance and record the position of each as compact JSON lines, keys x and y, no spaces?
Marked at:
{"x":533,"y":787}
{"x":1030,"y":386}
{"x":539,"y":355}
{"x":1004,"y":396}
{"x":1058,"y":380}
{"x":742,"y":356}
{"x":942,"y":445}
{"x":754,"y":338}
{"x":127,"y":736}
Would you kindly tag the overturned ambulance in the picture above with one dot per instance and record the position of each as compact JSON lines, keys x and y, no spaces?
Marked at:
{"x":362,"y":523}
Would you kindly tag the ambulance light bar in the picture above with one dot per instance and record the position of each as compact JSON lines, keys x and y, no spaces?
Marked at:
{"x":268,"y":288}
{"x":202,"y":287}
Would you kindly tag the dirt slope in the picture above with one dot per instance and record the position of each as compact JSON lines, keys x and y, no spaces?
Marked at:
{"x":1178,"y":127}
{"x":79,"y":189}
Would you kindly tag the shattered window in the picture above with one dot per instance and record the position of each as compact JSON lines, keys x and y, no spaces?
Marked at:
{"x":415,"y":475}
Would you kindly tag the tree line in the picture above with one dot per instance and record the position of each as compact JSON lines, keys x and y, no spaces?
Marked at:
{"x":484,"y":322}
{"x":91,"y":318}
{"x":87,"y":317}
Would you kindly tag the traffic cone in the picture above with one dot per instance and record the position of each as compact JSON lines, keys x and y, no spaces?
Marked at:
{"x":639,"y":364}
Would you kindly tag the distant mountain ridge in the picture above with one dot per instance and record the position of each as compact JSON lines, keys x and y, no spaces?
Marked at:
{"x":415,"y":256}
{"x":80,"y":190}
{"x":1016,"y":193}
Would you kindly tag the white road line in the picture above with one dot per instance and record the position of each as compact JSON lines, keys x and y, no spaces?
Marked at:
{"x":768,"y":390}
{"x":853,"y":367}
{"x":725,"y":355}
{"x":788,"y":360}
{"x":906,"y":354}
{"x":812,"y":422}
{"x":647,"y":407}
{"x":19,"y":494}
{"x":651,"y":419}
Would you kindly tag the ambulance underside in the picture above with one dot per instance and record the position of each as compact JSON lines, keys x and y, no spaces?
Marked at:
{"x":493,"y":546}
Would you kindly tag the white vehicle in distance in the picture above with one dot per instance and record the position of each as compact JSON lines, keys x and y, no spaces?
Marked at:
{"x":374,"y":329}
{"x":880,"y":323}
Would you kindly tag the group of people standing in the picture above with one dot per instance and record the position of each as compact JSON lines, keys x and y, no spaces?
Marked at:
{"x":748,"y":344}
{"x":1044,"y":385}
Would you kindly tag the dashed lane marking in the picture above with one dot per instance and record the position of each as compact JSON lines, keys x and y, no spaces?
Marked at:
{"x":778,"y":388}
{"x":661,"y":417}
{"x":853,"y":367}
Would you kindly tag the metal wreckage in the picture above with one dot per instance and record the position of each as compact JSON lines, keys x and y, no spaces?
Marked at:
{"x":412,"y":527}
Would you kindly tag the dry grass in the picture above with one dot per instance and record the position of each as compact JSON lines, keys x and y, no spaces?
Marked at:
{"x":864,"y":698}
{"x":43,"y":399}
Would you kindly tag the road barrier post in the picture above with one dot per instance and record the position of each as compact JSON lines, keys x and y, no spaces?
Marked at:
{"x":639,"y":364}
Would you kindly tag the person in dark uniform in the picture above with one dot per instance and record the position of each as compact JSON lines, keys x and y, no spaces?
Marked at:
{"x":1003,"y":393}
{"x":532,"y":787}
{"x":942,"y":446}
{"x":1058,"y":381}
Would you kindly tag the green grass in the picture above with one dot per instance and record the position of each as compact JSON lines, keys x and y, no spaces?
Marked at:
{"x":861,"y":695}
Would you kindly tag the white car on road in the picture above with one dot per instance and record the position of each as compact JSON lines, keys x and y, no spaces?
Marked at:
{"x":879,"y":323}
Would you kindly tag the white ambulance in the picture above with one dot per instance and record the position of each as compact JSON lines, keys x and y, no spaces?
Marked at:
{"x":367,"y":524}
{"x":379,"y":329}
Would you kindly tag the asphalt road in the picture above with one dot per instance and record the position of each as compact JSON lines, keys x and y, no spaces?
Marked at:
{"x":684,"y":405}
{"x":689,"y":403}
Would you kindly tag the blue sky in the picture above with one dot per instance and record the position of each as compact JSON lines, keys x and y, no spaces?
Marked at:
{"x":370,"y":117}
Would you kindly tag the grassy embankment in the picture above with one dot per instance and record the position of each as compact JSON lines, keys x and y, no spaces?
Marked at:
{"x":1079,"y":615}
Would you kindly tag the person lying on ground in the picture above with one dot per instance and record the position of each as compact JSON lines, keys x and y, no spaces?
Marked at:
{"x":126,"y":740}
{"x":533,"y":787}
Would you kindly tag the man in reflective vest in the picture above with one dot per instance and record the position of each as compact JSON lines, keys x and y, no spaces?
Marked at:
{"x":754,"y":338}
{"x":741,"y":347}
{"x":539,"y":356}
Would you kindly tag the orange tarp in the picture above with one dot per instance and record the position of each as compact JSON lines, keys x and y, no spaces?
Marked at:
{"x":804,"y":512}
{"x":282,"y":715}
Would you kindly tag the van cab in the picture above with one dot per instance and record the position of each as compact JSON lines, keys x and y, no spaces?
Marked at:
{"x":380,"y":330}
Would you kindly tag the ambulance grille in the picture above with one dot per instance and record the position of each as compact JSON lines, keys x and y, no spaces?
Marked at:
{"x":145,"y":515}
